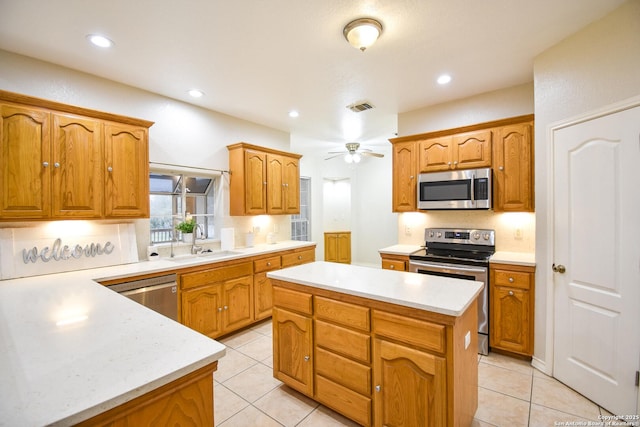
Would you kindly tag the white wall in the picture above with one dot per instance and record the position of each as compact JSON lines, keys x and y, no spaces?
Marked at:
{"x":183,"y":134}
{"x":595,"y":67}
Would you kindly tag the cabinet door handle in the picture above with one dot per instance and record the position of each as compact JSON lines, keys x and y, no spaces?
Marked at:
{"x":226,"y":307}
{"x":45,"y":164}
{"x":455,"y":163}
{"x":56,"y":165}
{"x":378,"y":388}
{"x":306,"y":358}
{"x":501,"y":168}
{"x":510,"y":279}
{"x":510,"y":293}
{"x":219,"y":308}
{"x":110,"y":169}
{"x":411,"y":177}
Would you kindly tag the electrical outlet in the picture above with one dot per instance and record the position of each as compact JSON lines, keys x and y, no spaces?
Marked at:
{"x":517,"y":233}
{"x":256,"y":230}
{"x":407,"y":230}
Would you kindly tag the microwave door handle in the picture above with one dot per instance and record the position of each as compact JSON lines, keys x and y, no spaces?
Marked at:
{"x":473,"y":188}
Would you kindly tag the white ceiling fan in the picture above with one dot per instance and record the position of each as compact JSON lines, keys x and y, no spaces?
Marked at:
{"x":354,"y":153}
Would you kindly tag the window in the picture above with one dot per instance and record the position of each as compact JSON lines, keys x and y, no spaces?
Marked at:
{"x":172,"y":197}
{"x":300,"y":224}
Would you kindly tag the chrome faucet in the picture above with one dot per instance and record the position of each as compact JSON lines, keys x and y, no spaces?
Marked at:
{"x":195,"y":249}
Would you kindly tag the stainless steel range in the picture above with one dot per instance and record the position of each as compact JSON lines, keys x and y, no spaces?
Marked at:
{"x":462,"y":254}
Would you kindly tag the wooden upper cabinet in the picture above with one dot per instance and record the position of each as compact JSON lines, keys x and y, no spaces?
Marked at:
{"x":435,"y":154}
{"x":291,"y":180}
{"x":513,"y":168}
{"x":127,"y":171}
{"x":263,"y":181}
{"x":77,"y":167}
{"x":25,"y":190}
{"x":461,"y":151}
{"x":55,"y":161}
{"x":404,"y":176}
{"x":255,"y":193}
{"x":471,"y":150}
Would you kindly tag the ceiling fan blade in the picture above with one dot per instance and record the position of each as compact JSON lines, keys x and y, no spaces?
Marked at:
{"x":336,"y":152}
{"x":335,"y":155}
{"x":372,"y":154}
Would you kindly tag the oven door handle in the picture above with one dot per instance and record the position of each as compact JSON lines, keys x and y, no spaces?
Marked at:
{"x":448,"y":267}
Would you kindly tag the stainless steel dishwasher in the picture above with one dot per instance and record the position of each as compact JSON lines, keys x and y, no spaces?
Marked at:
{"x":157,"y":293}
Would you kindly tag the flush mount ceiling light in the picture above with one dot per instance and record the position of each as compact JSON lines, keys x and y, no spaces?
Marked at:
{"x":444,"y":79}
{"x":362,"y":33}
{"x":293,"y":114}
{"x":196,"y":93}
{"x":100,"y":41}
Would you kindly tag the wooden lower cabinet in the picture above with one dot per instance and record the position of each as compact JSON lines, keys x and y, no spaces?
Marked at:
{"x":376,"y":363}
{"x":395,"y":262}
{"x":511,"y":308}
{"x":185,"y":401}
{"x":337,"y":247}
{"x":410,"y":386}
{"x":218,"y":300}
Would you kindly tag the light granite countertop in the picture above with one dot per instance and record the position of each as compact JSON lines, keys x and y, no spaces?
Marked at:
{"x":400,"y":249}
{"x":425,"y":292}
{"x":515,"y":258}
{"x":70,"y":348}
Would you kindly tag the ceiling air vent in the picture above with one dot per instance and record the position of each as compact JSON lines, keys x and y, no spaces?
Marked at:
{"x":359,"y":107}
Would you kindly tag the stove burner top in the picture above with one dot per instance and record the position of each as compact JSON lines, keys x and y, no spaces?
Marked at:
{"x":457,"y":246}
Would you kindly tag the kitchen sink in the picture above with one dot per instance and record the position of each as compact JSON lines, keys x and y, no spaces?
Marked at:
{"x":205,"y":255}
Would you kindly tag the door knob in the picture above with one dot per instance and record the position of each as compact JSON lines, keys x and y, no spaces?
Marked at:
{"x":558,"y":268}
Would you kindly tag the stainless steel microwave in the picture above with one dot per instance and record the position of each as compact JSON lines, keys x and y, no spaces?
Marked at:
{"x":459,"y":189}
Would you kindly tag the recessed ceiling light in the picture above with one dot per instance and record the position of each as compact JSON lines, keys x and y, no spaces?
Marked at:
{"x":196,"y":93}
{"x":444,"y":79}
{"x":293,"y":113}
{"x":100,"y":41}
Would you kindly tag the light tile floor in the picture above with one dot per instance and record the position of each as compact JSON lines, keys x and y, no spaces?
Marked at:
{"x":510,"y":392}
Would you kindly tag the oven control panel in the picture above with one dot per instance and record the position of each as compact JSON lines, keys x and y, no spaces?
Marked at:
{"x":474,"y":237}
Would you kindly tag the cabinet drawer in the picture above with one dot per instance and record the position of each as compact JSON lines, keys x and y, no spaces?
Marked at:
{"x":266,"y":264}
{"x":514,"y":279}
{"x":412,"y":331}
{"x":345,"y":401}
{"x":346,"y":372}
{"x":296,"y":258}
{"x":343,"y":341}
{"x":343,"y":313}
{"x":199,"y":278}
{"x":293,"y":300}
{"x":392,"y":264}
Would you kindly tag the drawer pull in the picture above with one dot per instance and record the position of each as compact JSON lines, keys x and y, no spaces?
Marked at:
{"x":510,"y":279}
{"x":392,"y":267}
{"x":299,"y":256}
{"x":268,"y":264}
{"x":378,"y":388}
{"x":306,"y":358}
{"x":510,"y":293}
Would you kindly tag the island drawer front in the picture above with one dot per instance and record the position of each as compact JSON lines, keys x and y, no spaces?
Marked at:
{"x":345,"y":401}
{"x":343,"y":341}
{"x":266,"y":264}
{"x":412,"y":331}
{"x":394,"y":264}
{"x":293,"y":300}
{"x":214,"y":275}
{"x":343,"y":371}
{"x":301,"y":257}
{"x":513,"y":279}
{"x":342,"y":313}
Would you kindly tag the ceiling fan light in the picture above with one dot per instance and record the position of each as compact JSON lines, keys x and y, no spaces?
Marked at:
{"x":348,"y":158}
{"x":362,"y":33}
{"x":356,"y":158}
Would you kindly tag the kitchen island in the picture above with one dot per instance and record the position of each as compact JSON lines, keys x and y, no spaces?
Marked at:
{"x":71,"y":350}
{"x":380,"y":347}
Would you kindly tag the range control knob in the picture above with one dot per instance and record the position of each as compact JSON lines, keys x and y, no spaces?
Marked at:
{"x":431,"y":234}
{"x":486,"y":236}
{"x":439,"y":234}
{"x":476,"y":235}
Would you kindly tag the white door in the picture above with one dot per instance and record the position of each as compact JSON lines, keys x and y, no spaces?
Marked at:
{"x":597,"y":241}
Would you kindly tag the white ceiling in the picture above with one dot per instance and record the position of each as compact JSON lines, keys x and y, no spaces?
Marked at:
{"x":258,"y":59}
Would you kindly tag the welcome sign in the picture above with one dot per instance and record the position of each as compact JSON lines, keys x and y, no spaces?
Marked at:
{"x":65,"y":246}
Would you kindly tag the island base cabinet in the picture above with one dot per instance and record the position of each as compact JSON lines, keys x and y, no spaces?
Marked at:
{"x":292,"y":339}
{"x":186,"y":401}
{"x":410,"y":386}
